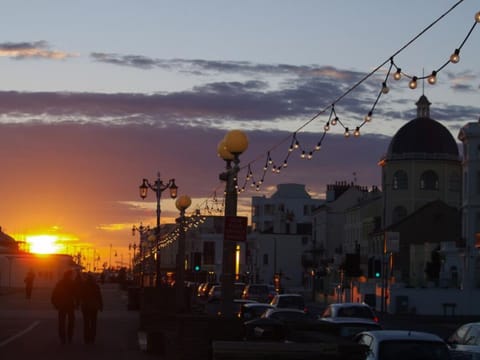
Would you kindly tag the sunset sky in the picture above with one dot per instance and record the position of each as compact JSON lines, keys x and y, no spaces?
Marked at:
{"x":96,"y":95}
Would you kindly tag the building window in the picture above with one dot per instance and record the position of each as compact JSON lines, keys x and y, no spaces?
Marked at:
{"x":429,"y":180}
{"x":398,"y":214}
{"x":265,"y":259}
{"x":268,"y":209}
{"x":306,"y":210}
{"x":400,"y":180}
{"x":304,"y":228}
{"x":268,"y":226}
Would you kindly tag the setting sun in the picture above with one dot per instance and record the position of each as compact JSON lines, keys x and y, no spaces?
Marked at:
{"x":42,"y":244}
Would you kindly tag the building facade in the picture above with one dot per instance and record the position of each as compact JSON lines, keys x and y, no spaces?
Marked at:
{"x":279,"y":247}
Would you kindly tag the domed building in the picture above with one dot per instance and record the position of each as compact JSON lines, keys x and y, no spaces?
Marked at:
{"x":422,"y":194}
{"x":422,"y":164}
{"x":7,"y":243}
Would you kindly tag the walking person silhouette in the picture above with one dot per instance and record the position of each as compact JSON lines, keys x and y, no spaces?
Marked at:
{"x":29,"y":283}
{"x":91,"y":302}
{"x":63,"y":299}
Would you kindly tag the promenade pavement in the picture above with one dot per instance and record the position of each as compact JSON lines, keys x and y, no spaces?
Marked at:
{"x":28,"y":329}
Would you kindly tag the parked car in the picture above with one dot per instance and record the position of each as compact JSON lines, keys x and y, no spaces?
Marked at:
{"x":290,"y":301}
{"x":214,"y":306}
{"x":238,"y":289}
{"x":254,"y":310}
{"x":465,"y":340}
{"x":347,"y":327}
{"x":215,"y":292}
{"x":351,"y":310}
{"x":204,"y":288}
{"x":259,"y":292}
{"x":403,"y":344}
{"x":274,"y":324}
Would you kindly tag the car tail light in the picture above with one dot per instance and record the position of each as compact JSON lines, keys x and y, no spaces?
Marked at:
{"x":376,"y":319}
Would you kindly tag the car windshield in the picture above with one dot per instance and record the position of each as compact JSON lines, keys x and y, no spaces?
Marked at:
{"x":291,"y":301}
{"x":413,"y":350}
{"x":355,"y":311}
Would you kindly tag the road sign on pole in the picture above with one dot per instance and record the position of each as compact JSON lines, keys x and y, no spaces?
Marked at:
{"x":236,"y":228}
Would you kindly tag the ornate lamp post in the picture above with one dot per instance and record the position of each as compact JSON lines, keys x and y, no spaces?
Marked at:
{"x":182,"y":203}
{"x":142,"y":230}
{"x":229,"y":149}
{"x":132,"y":260}
{"x":158,"y":187}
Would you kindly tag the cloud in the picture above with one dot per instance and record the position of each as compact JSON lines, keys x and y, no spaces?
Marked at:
{"x":204,"y":67}
{"x":36,"y":49}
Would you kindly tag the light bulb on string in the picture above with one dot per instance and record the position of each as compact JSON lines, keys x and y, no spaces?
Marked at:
{"x":368,"y":117}
{"x":432,"y":79}
{"x":455,"y":57}
{"x":303,"y":154}
{"x":356,"y":133}
{"x":310,"y":155}
{"x":334,"y":121}
{"x":413,"y":83}
{"x":477,"y":17}
{"x":278,"y":170}
{"x":290,"y":149}
{"x":385,"y":88}
{"x":347,"y":133}
{"x":318,"y":146}
{"x":327,"y":126}
{"x":285,"y":164}
{"x":297,"y":144}
{"x":397,"y":75}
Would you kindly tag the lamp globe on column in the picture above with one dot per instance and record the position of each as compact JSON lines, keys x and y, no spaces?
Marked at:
{"x":183,"y":202}
{"x":236,"y":142}
{"x":223,"y":152}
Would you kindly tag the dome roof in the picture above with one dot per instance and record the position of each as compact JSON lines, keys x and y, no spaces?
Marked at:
{"x":423,"y":138}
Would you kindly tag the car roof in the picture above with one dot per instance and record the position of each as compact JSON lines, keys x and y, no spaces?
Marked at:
{"x":286,"y":295}
{"x":258,"y":304}
{"x":349,"y":304}
{"x":349,"y":320}
{"x":284,"y":310}
{"x":385,"y":335}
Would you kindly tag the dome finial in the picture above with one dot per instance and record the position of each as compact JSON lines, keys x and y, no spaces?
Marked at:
{"x":423,"y":107}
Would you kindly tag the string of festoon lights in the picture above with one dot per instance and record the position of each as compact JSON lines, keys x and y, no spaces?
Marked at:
{"x":393,"y":71}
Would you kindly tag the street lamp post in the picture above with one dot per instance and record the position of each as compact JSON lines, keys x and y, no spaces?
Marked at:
{"x":158,"y":187}
{"x":142,"y":230}
{"x":229,"y":149}
{"x":132,"y":260}
{"x":182,"y":203}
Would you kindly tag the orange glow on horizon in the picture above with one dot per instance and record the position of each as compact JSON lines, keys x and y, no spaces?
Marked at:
{"x":43,"y":244}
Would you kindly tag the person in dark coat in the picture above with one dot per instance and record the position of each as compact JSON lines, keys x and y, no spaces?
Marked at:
{"x":29,"y":283}
{"x":63,"y":299}
{"x":91,"y":303}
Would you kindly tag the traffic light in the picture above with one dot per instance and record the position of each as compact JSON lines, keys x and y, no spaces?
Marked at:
{"x":377,"y":268}
{"x":197,"y":261}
